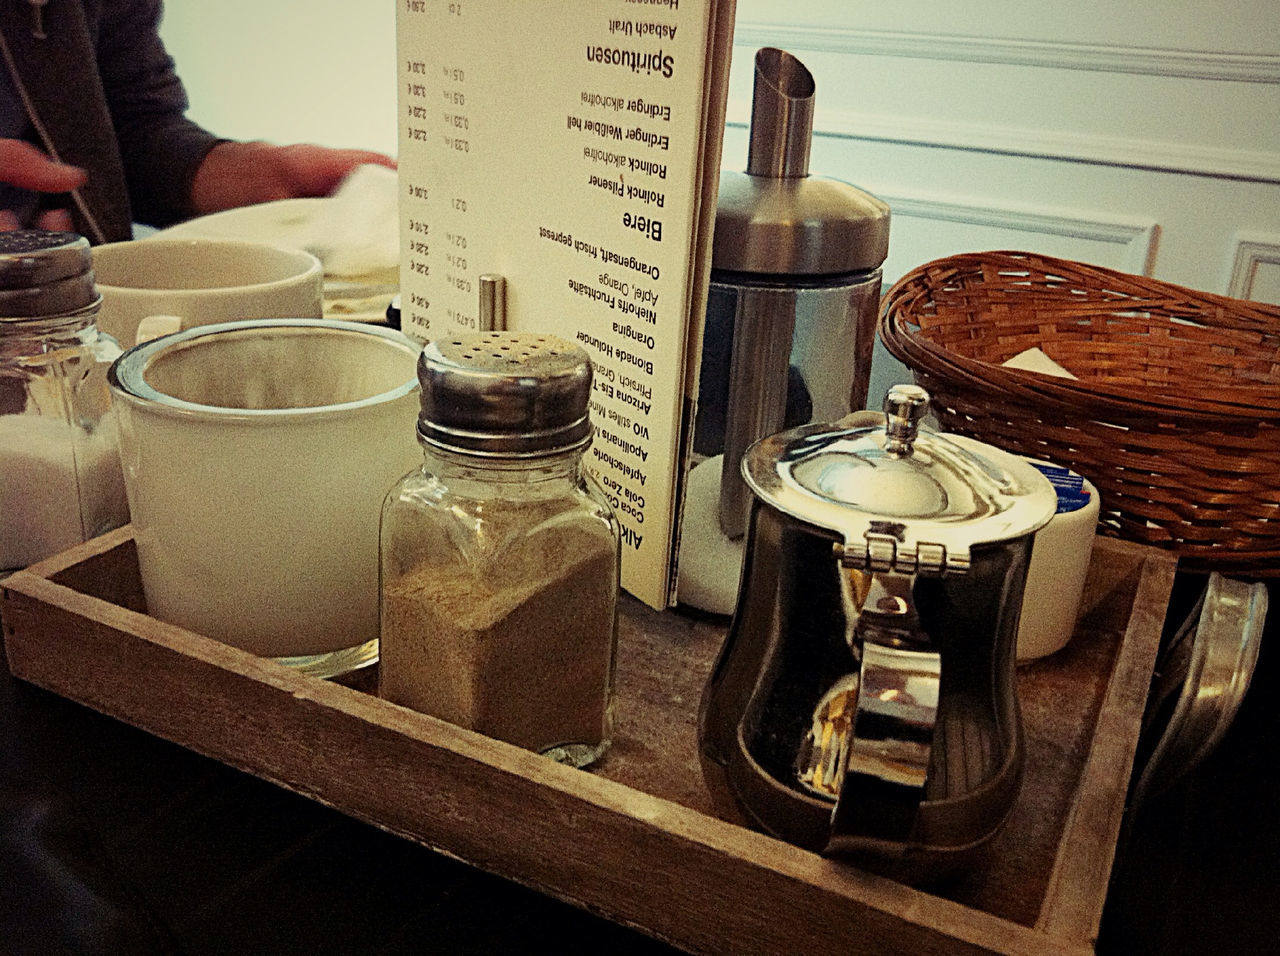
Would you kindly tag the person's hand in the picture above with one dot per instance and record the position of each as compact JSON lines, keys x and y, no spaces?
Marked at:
{"x":243,"y":174}
{"x":24,"y":166}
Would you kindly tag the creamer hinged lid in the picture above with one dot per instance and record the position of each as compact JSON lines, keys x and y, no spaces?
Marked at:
{"x":903,"y":498}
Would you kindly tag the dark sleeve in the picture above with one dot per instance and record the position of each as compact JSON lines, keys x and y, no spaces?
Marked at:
{"x":161,"y":148}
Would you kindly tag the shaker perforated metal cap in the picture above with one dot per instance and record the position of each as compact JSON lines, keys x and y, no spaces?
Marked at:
{"x":504,"y":394}
{"x":45,"y":273}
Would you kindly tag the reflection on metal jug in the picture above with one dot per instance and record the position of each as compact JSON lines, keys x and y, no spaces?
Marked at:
{"x":795,"y":287}
{"x":864,"y":702}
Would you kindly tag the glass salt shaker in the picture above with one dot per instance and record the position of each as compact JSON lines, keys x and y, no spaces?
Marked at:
{"x":499,"y":557}
{"x":60,"y":476}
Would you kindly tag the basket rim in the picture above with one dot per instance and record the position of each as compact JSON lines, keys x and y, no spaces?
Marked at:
{"x":1256,"y":403}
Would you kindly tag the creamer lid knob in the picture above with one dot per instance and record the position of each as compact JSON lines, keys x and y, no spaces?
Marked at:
{"x":904,"y":407}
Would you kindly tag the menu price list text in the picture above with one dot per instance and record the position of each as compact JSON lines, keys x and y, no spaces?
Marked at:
{"x":437,"y":119}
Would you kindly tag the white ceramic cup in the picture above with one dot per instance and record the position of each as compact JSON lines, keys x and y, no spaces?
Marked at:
{"x":163,"y":285}
{"x":1055,"y":579}
{"x":256,"y":456}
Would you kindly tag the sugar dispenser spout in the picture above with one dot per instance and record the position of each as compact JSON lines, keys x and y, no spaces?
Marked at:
{"x":781,"y":116}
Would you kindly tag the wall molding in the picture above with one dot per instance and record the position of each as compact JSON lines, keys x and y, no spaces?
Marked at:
{"x":1251,"y":251}
{"x":1111,"y":58}
{"x":1037,"y":143}
{"x":1137,"y":238}
{"x":1128,"y":152}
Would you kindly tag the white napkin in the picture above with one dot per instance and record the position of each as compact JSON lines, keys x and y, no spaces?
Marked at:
{"x":1034,"y":360}
{"x":357,"y":231}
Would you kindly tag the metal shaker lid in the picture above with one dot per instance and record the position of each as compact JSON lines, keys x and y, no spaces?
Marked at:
{"x":903,"y":498}
{"x":504,"y":394}
{"x":775,"y":218}
{"x":45,"y":273}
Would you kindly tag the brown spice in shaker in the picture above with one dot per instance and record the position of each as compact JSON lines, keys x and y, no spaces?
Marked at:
{"x":521,"y":659}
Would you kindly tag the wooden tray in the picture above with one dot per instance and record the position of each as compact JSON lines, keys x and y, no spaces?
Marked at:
{"x":635,"y":839}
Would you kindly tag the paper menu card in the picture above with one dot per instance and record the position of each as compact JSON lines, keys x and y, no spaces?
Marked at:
{"x":573,"y":147}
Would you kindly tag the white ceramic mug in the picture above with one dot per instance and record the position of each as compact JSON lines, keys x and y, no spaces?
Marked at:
{"x":163,"y":285}
{"x":256,"y":456}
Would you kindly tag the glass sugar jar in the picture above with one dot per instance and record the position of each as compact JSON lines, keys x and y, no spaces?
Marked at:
{"x":499,"y":557}
{"x":60,"y":475}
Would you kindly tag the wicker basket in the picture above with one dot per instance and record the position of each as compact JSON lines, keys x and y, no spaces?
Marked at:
{"x":1174,"y":414}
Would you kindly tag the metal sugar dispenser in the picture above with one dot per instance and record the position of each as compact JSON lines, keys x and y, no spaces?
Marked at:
{"x":500,"y":556}
{"x":795,"y":287}
{"x":60,"y":476}
{"x":864,"y":702}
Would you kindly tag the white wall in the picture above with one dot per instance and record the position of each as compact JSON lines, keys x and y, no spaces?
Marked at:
{"x":318,"y":71}
{"x":1142,"y":136}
